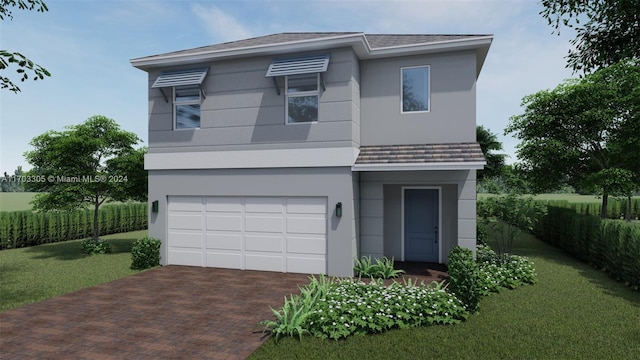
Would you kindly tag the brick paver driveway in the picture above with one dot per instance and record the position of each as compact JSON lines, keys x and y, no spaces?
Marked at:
{"x":168,"y":312}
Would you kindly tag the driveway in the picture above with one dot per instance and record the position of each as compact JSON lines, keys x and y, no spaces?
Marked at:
{"x":167,"y":312}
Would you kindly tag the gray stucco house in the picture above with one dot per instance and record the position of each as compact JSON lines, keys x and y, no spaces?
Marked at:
{"x":298,"y":152}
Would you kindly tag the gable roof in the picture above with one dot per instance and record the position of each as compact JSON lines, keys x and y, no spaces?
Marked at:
{"x":365,"y":46}
{"x":420,"y":157}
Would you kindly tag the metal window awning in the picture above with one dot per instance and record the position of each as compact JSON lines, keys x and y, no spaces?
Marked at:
{"x":180,"y":78}
{"x":297,"y":66}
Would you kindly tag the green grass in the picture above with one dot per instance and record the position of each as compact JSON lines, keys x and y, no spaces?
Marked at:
{"x":16,"y":201}
{"x":573,"y":312}
{"x":28,"y":275}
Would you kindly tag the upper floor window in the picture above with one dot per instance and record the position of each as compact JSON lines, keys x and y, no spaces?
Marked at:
{"x":302,"y":94}
{"x":415,"y":89}
{"x":186,"y":107}
{"x":303,"y":78}
{"x":187,"y":94}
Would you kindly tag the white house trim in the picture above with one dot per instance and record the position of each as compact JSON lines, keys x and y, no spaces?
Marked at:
{"x":251,"y":159}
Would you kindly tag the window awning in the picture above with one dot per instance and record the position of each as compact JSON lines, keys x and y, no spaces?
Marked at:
{"x":300,"y":65}
{"x":297,"y":66}
{"x":180,"y":78}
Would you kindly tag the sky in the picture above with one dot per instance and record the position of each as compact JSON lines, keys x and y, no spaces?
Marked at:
{"x":87,"y":45}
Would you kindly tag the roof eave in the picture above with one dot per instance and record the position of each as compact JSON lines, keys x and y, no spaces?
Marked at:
{"x":357,"y":41}
{"x":480,"y":43}
{"x":455,"y":165}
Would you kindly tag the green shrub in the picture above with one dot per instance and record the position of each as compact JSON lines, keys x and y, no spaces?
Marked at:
{"x":28,"y":228}
{"x":382,"y":269}
{"x":337,"y":308}
{"x":611,"y":245}
{"x":145,"y":253}
{"x":481,"y":234}
{"x":91,"y":247}
{"x":463,"y":277}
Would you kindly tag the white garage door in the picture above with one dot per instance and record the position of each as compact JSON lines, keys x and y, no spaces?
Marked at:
{"x":285,"y":234}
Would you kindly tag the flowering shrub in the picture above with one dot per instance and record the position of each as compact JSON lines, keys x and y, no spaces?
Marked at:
{"x":351,"y":306}
{"x":496,"y":272}
{"x":355,"y":307}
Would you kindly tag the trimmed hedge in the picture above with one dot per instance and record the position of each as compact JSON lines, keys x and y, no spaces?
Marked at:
{"x":611,"y":245}
{"x":616,"y":207}
{"x":28,"y":228}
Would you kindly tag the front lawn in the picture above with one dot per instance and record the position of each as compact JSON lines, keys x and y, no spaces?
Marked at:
{"x":40,"y":272}
{"x":573,"y":312}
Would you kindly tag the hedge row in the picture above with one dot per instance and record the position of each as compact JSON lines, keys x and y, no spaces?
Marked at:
{"x":611,"y":245}
{"x":616,"y":207}
{"x":27,"y":228}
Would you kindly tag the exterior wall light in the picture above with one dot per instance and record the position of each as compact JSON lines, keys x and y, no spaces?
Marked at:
{"x":339,"y":209}
{"x":154,"y":206}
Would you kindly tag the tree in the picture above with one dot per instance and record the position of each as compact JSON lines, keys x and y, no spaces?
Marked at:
{"x":583,"y":132}
{"x":86,"y":164}
{"x":8,"y":58}
{"x":489,"y":144}
{"x":13,"y":183}
{"x":610,"y":33}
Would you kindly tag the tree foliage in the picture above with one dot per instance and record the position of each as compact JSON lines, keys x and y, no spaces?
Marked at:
{"x":10,"y":58}
{"x":607,"y":31}
{"x":12,"y":183}
{"x":489,"y":144}
{"x":582,"y":130}
{"x":86,"y":164}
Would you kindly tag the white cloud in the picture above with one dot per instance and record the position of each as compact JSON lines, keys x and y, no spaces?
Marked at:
{"x":221,"y":25}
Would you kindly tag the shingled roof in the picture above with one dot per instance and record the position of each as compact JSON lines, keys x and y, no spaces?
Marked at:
{"x":375,"y":41}
{"x":421,"y":154}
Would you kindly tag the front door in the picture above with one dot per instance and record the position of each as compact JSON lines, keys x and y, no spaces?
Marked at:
{"x":421,"y":225}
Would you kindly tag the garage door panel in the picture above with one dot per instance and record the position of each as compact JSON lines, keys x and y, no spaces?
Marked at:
{"x":224,"y":204}
{"x":224,"y":241}
{"x":224,"y":222}
{"x":255,"y":233}
{"x":264,"y":224}
{"x":263,"y":205}
{"x":186,"y":257}
{"x":185,"y":203}
{"x":264,"y":262}
{"x":224,"y":260}
{"x":307,"y":225}
{"x":306,"y":206}
{"x":181,"y":239}
{"x":306,"y":245}
{"x":306,"y":265}
{"x":264,"y":243}
{"x":186,"y":221}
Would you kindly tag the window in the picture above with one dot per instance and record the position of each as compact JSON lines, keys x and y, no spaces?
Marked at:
{"x":415,"y":89}
{"x":302,"y":98}
{"x":186,"y":105}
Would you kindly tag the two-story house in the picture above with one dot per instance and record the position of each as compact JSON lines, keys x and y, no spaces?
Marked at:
{"x":299,"y":152}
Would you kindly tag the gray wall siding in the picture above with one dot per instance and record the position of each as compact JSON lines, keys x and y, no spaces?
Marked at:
{"x":452,"y":114}
{"x":334,"y":183}
{"x":242,"y":110}
{"x":380,"y":209}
